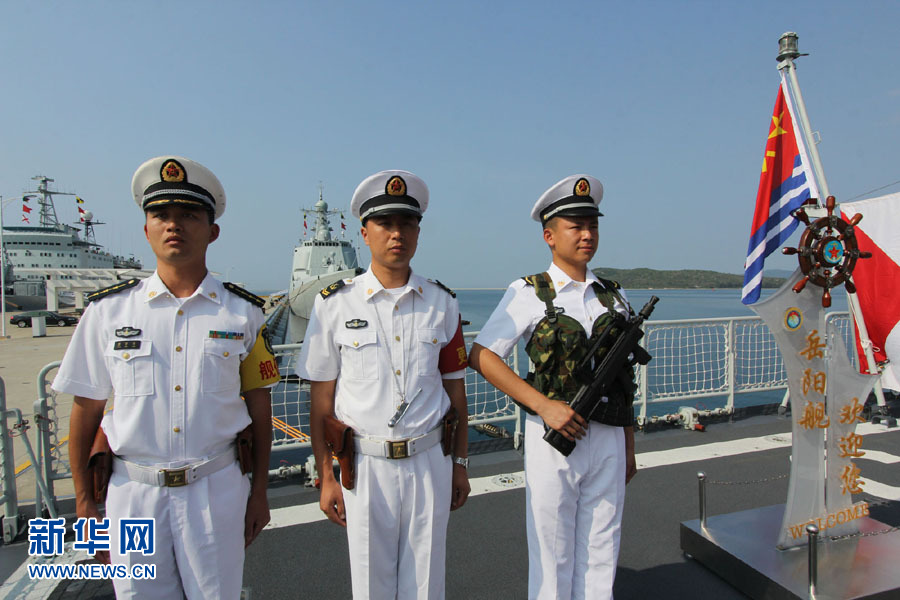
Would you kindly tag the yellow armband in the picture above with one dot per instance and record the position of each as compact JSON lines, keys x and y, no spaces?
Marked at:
{"x":259,"y":369}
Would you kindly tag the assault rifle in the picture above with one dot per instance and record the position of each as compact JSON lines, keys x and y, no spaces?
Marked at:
{"x":597,"y":382}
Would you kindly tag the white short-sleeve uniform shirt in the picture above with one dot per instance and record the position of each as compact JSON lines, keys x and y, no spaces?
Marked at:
{"x":173,"y":365}
{"x":586,"y":488}
{"x":521,"y":310}
{"x":379,"y":344}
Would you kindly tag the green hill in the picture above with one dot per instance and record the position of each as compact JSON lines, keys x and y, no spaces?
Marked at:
{"x":685,"y":278}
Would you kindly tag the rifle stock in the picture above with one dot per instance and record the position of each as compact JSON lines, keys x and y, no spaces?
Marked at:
{"x":624,"y":351}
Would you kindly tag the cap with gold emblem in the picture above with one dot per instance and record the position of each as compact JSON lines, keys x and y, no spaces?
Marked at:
{"x":389,"y":193}
{"x":574,"y":196}
{"x":177,"y":180}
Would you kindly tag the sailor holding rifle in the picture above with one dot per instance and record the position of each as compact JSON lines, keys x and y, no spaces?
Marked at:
{"x":178,"y":350}
{"x":573,"y":503}
{"x":386,"y":360}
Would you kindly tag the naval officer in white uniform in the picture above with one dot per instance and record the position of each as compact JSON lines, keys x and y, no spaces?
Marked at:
{"x":573,"y":504}
{"x":385,"y":355}
{"x":178,"y":351}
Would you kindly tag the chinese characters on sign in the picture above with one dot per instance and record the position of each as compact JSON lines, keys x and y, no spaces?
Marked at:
{"x":827,"y":395}
{"x":814,"y":415}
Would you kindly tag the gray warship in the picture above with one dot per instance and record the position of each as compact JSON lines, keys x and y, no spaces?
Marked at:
{"x":318,"y":261}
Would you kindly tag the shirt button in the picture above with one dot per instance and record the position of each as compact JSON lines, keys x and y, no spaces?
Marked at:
{"x":397,"y":337}
{"x":177,"y":348}
{"x":369,"y":291}
{"x":398,"y":371}
{"x":434,"y":340}
{"x":355,"y":344}
{"x":151,"y":294}
{"x":420,"y":289}
{"x":126,"y":356}
{"x":180,"y":312}
{"x":225,"y":354}
{"x":212,"y":294}
{"x":177,"y":388}
{"x":396,"y":307}
{"x":176,"y":429}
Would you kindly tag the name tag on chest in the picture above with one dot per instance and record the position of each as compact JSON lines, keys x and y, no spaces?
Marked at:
{"x":127,"y":345}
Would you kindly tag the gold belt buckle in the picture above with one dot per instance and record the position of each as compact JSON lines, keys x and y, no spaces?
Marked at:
{"x":399,"y":449}
{"x":175,"y":477}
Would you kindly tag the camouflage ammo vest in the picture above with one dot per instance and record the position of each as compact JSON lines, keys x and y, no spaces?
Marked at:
{"x":559,"y":343}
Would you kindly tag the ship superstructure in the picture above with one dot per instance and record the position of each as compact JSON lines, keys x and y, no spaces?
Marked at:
{"x":53,"y":250}
{"x":318,"y":262}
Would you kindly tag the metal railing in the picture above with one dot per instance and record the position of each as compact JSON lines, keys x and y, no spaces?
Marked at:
{"x":8,"y":491}
{"x":692,"y":359}
{"x":50,"y":464}
{"x":8,"y":496}
{"x":290,"y":400}
{"x":703,"y":358}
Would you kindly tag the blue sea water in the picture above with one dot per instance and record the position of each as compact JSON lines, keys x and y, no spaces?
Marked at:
{"x":477,"y":305}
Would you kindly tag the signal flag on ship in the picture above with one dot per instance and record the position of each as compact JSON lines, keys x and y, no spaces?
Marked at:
{"x":785,"y":183}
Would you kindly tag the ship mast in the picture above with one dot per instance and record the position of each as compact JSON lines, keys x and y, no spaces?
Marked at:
{"x":45,"y":200}
{"x":321,"y":228}
{"x":89,"y":237}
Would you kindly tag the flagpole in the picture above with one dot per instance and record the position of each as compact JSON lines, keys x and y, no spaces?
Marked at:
{"x":787,"y":51}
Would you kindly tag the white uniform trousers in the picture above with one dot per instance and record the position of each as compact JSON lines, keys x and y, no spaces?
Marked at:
{"x":199,"y":535}
{"x":397,"y":516}
{"x":573,"y":512}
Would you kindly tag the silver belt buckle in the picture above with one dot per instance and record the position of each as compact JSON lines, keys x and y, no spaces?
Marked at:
{"x":175,"y":477}
{"x":398,"y":449}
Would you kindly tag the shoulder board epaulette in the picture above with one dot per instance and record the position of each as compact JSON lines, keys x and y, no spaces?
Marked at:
{"x":329,"y":290}
{"x":443,"y":287}
{"x":530,"y":279}
{"x":113,"y":289}
{"x":239,"y":291}
{"x":610,"y":283}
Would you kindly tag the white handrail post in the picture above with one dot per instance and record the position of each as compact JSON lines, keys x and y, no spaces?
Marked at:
{"x":730,"y":350}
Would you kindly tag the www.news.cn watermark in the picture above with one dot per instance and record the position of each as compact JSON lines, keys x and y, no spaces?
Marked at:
{"x":46,"y":538}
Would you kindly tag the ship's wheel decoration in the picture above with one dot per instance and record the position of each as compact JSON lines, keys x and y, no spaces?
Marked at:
{"x":827,"y":251}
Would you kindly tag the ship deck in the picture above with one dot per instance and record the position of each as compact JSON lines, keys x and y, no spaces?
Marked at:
{"x":301,"y":555}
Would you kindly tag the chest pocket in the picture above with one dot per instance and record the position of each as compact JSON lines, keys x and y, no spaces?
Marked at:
{"x":131,"y":369}
{"x":359,"y":353}
{"x":428,"y":349}
{"x":220,"y":368}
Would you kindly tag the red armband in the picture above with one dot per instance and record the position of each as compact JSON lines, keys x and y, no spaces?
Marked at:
{"x":453,"y":355}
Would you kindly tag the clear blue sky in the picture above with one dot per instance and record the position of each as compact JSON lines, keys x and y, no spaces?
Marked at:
{"x":667,"y":103}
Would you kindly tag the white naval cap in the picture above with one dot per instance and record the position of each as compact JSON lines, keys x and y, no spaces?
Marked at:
{"x":574,"y":196}
{"x":177,"y":180}
{"x":389,"y":193}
